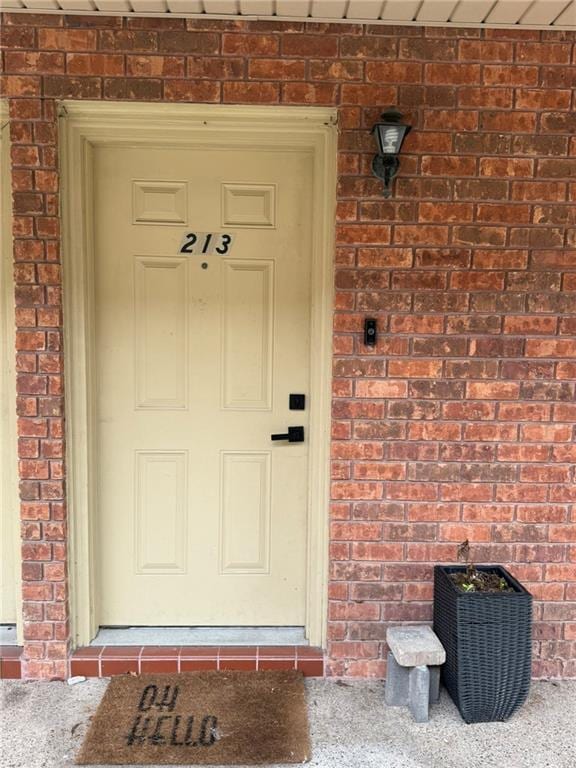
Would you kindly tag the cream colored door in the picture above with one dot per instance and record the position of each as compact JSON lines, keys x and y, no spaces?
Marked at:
{"x":9,"y":533}
{"x":202,"y":517}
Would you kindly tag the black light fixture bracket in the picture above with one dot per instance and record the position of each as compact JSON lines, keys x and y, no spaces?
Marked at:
{"x":390,"y":133}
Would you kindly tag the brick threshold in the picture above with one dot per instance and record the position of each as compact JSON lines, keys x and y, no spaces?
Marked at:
{"x":10,"y":667}
{"x":104,"y":661}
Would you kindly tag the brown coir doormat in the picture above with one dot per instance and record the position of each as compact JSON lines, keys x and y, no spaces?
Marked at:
{"x":200,"y":718}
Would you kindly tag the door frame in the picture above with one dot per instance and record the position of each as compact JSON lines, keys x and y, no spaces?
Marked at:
{"x":9,"y":494}
{"x":86,"y":125}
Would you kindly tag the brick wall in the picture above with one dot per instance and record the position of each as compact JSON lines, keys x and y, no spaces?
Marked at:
{"x":461,"y":423}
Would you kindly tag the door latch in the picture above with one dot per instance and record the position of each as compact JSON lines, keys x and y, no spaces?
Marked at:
{"x":294,"y":435}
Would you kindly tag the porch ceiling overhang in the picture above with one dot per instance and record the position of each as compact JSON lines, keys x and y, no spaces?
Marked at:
{"x":522,"y":14}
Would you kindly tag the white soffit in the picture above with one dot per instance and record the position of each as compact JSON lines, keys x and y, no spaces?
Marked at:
{"x":526,"y":14}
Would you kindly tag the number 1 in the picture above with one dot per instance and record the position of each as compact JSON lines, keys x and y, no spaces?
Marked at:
{"x":207,"y":242}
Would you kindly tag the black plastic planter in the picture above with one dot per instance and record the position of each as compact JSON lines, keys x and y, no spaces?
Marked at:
{"x":488,"y":642}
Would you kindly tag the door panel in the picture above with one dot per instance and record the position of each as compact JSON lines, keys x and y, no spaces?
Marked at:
{"x":202,"y":519}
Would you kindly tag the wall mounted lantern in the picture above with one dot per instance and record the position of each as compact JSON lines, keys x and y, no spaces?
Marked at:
{"x":390,"y":133}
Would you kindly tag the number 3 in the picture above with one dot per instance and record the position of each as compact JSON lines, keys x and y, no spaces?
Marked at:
{"x":226,"y":240}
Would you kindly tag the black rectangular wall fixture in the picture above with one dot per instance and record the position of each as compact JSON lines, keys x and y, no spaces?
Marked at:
{"x":370,"y":332}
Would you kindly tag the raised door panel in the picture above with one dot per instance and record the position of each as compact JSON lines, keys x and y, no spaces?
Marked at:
{"x":247,"y":334}
{"x":161,"y":507}
{"x":245,"y":512}
{"x":161,"y":323}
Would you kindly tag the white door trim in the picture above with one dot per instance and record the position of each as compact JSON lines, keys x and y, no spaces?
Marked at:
{"x":86,"y":125}
{"x":9,"y":495}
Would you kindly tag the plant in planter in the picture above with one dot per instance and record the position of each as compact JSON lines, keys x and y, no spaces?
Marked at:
{"x":483,"y":617}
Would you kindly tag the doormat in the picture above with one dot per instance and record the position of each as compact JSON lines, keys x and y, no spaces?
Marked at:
{"x":200,"y":718}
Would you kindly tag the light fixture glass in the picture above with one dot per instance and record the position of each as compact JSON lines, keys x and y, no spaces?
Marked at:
{"x":390,"y":138}
{"x":390,"y":134}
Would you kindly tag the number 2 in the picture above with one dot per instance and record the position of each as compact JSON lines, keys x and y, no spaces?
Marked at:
{"x":188,"y":246}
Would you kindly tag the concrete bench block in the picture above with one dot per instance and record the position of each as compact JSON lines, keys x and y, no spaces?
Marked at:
{"x":414,"y":646}
{"x":419,"y":693}
{"x":413,"y":678}
{"x":396,"y":692}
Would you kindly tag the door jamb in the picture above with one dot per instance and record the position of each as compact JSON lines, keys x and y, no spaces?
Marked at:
{"x":87,"y":125}
{"x":9,"y":494}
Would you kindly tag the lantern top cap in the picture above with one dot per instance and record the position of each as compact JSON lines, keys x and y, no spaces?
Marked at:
{"x":391,"y":115}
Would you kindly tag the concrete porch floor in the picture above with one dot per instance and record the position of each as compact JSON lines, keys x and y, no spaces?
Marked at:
{"x":42,"y":726}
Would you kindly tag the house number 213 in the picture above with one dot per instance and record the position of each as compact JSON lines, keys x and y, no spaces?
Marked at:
{"x":206,"y":243}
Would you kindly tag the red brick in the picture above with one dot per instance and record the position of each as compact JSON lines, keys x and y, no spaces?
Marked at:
{"x":412,"y":491}
{"x":477,"y":281}
{"x":393,"y":72}
{"x":473,"y":532}
{"x":333,"y":70}
{"x":551,"y":348}
{"x":548,"y":474}
{"x":162,"y":66}
{"x":381,"y":388}
{"x":570,"y":282}
{"x":190,"y":90}
{"x":342,"y":490}
{"x":276,"y":69}
{"x":539,"y":190}
{"x":67,"y":39}
{"x":505,"y":167}
{"x":434,"y":431}
{"x":450,"y":119}
{"x":513,"y":122}
{"x":499,"y":390}
{"x":566,"y":371}
{"x":433,"y":512}
{"x":558,"y":122}
{"x":480,"y":235}
{"x":485,"y":98}
{"x":543,"y":53}
{"x":543,"y":99}
{"x":377,"y":551}
{"x":530,"y":324}
{"x":419,"y":48}
{"x":497,"y":74}
{"x":448,"y":166}
{"x":367,"y":47}
{"x":429,"y":324}
{"x":442,"y":257}
{"x":324,"y":46}
{"x":254,"y":93}
{"x":557,"y":167}
{"x":33,"y":62}
{"x":445,"y":212}
{"x":385,"y":257}
{"x":252,"y":45}
{"x":414,"y":368}
{"x":94,"y":64}
{"x":379,"y":471}
{"x":367,"y":94}
{"x":59,"y":87}
{"x":452,"y":74}
{"x":518,"y":492}
{"x":130,"y":41}
{"x":480,"y":189}
{"x":477,"y":50}
{"x":309,"y":93}
{"x":420,"y":235}
{"x":553,"y":259}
